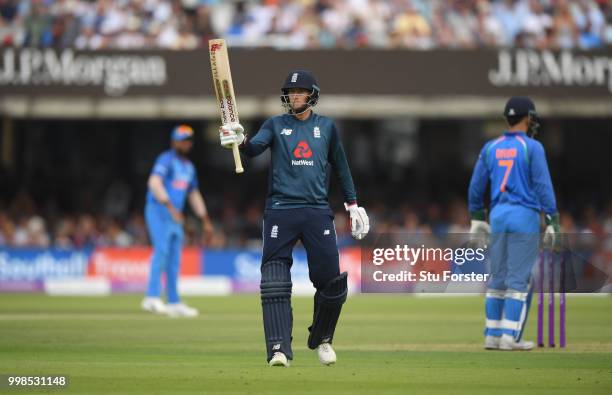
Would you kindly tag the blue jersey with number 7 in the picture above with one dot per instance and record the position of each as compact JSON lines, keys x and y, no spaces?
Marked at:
{"x":516,"y":167}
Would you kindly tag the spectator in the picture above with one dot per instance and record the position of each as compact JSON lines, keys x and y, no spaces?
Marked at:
{"x":31,"y":232}
{"x":88,"y":231}
{"x":411,"y":29}
{"x":187,"y":24}
{"x":38,"y":26}
{"x":566,"y":32}
{"x":64,"y":233}
{"x":463,"y":22}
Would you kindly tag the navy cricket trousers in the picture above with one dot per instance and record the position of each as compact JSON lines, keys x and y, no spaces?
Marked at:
{"x":282,"y":229}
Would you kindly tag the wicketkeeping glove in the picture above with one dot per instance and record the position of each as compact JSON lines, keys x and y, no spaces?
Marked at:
{"x":479,"y":229}
{"x":552,"y":233}
{"x":360,"y":223}
{"x":230,"y":134}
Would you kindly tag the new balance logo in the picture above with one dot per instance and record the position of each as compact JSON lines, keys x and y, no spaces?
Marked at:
{"x":326,"y":232}
{"x":274,"y":232}
{"x":294,"y":77}
{"x":286,"y":132}
{"x":276,"y":347}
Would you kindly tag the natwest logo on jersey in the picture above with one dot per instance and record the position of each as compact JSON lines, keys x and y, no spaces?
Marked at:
{"x":302,"y":152}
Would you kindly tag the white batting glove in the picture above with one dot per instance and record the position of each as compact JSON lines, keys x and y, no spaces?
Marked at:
{"x":230,"y":134}
{"x":360,"y":223}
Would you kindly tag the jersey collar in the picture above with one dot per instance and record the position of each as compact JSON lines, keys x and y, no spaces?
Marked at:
{"x":518,"y":132}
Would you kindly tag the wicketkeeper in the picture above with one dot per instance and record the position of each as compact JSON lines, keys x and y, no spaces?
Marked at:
{"x":521,"y":188}
{"x":303,"y":145}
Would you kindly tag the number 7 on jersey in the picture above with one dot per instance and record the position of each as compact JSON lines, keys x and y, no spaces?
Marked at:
{"x":222,"y":80}
{"x":508,"y":163}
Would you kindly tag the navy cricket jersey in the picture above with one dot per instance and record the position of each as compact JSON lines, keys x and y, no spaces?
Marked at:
{"x":302,"y":154}
{"x":517,"y":169}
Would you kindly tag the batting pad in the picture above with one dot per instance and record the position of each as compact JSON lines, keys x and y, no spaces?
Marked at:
{"x":328,"y":304}
{"x":276,"y":306}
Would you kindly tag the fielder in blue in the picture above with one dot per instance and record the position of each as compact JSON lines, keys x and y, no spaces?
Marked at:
{"x":515,"y":166}
{"x":173,"y":180}
{"x":305,"y":146}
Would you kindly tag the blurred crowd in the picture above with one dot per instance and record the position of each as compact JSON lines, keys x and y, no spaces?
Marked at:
{"x":22,"y":224}
{"x":305,"y":24}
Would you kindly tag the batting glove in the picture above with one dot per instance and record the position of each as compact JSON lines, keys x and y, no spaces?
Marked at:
{"x":230,"y":134}
{"x":360,"y":223}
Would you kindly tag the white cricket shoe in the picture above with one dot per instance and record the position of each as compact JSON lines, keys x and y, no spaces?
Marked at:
{"x":153,"y":305}
{"x":279,"y":359}
{"x":327,"y":355}
{"x":507,"y":343}
{"x":492,"y":342}
{"x":181,"y":310}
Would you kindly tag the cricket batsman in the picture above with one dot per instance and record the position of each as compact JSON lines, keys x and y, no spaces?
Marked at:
{"x":303,"y":145}
{"x":515,"y":166}
{"x":172,"y":181}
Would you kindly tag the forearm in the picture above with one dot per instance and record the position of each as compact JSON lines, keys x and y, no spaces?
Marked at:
{"x":477,"y":188}
{"x":348,"y":188}
{"x":542,"y":182}
{"x":475,"y":202}
{"x":252,"y":148}
{"x":547,"y":199}
{"x":157,"y":189}
{"x":346,"y":183}
{"x":343,"y":173}
{"x":196,"y":201}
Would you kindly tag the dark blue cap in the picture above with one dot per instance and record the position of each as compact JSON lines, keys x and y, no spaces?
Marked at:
{"x":518,"y":107}
{"x":182,"y":132}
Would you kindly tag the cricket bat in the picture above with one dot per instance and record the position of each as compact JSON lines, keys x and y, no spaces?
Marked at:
{"x":222,"y":80}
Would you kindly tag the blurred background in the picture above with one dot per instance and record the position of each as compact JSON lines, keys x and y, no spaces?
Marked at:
{"x":89,"y":91}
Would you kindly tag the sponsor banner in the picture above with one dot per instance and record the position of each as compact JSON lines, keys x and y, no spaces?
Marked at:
{"x":108,"y":73}
{"x":21,"y":286}
{"x":350,"y":262}
{"x":87,"y":286}
{"x":486,"y":72}
{"x":25,"y":269}
{"x":243,"y":266}
{"x":128,"y":268}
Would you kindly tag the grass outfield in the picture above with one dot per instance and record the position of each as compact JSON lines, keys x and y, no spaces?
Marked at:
{"x":385,"y":344}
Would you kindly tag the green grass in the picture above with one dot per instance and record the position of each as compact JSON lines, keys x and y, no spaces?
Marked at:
{"x":385,"y":344}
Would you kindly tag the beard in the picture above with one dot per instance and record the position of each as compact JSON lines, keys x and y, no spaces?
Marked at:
{"x":182,"y":151}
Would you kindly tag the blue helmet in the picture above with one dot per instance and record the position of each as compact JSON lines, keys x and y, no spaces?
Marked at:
{"x":300,"y":79}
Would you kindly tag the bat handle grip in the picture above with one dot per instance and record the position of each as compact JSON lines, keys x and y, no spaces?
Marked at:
{"x":237,"y":160}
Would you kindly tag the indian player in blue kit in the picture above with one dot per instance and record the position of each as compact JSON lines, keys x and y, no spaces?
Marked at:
{"x":515,"y":166}
{"x":304,"y":146}
{"x":173,"y":180}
